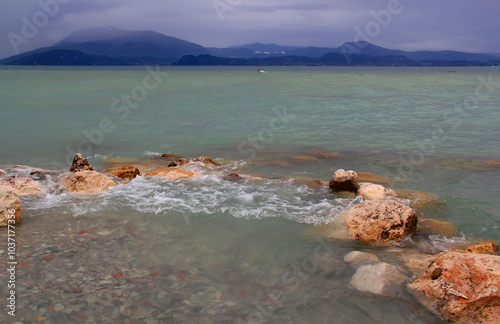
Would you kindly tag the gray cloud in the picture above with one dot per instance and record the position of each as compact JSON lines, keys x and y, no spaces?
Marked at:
{"x":425,"y":24}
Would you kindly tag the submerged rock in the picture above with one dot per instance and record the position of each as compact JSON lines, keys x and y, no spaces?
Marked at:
{"x":371,"y":177}
{"x":418,"y":198}
{"x":80,"y":163}
{"x":465,"y":287}
{"x":234,"y":177}
{"x":436,"y":227}
{"x":202,"y":159}
{"x":20,"y":186}
{"x":357,"y":258}
{"x":124,"y":172}
{"x":173,"y":173}
{"x":7,"y":203}
{"x":380,"y":279}
{"x":344,"y":181}
{"x":380,"y":220}
{"x":87,"y":182}
{"x":303,"y":158}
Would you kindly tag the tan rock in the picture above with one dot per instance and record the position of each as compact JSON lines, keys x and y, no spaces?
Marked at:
{"x":417,"y":263}
{"x":380,"y":220}
{"x":436,"y":227}
{"x":124,"y":172}
{"x":484,"y":248}
{"x":418,"y":198}
{"x":20,"y":186}
{"x":2,"y":173}
{"x":464,"y":287}
{"x":87,"y":182}
{"x":173,"y":173}
{"x":202,"y":159}
{"x":380,"y":279}
{"x":370,"y":177}
{"x":322,"y":153}
{"x":9,"y":203}
{"x":121,"y":161}
{"x":372,"y":191}
{"x":80,"y":163}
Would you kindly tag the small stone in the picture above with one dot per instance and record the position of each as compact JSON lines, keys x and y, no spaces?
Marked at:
{"x":80,"y":163}
{"x":58,"y":307}
{"x":380,"y":279}
{"x":344,"y":181}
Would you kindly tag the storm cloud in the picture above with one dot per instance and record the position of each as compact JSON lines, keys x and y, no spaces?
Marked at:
{"x":470,"y":26}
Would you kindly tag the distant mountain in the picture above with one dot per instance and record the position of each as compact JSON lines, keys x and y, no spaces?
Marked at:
{"x":113,"y":46}
{"x":116,"y":42}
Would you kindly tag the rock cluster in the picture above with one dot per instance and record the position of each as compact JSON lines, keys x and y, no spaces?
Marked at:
{"x":184,"y":161}
{"x":20,"y":186}
{"x":172,"y":173}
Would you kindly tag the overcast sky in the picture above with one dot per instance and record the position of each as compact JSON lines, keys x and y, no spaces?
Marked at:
{"x":472,"y":26}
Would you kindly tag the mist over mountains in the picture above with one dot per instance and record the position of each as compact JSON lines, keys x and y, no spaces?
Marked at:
{"x":113,"y":46}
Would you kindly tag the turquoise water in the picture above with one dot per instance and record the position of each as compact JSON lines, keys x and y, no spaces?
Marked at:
{"x":401,"y":123}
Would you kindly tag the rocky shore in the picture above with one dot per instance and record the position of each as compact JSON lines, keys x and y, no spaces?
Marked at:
{"x":461,"y":285}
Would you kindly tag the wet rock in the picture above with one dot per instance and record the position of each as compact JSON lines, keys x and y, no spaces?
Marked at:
{"x":380,"y":279}
{"x":372,"y":191}
{"x":2,"y":173}
{"x":436,"y":227}
{"x":418,"y":198}
{"x":80,"y":163}
{"x":380,"y":220}
{"x":124,"y":172}
{"x":171,"y":156}
{"x":417,"y":263}
{"x":344,"y":181}
{"x":173,"y":173}
{"x":484,"y":248}
{"x":303,"y":158}
{"x":202,"y":159}
{"x":87,"y":182}
{"x":356,"y":258}
{"x":494,"y":163}
{"x":322,"y":153}
{"x":465,"y":287}
{"x":7,"y":203}
{"x":20,"y":186}
{"x":234,"y":177}
{"x":370,"y":177}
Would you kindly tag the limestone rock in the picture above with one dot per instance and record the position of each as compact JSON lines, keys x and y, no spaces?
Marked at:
{"x":372,"y":191}
{"x":7,"y":203}
{"x":2,"y":173}
{"x":344,"y":181}
{"x":356,"y":258}
{"x":87,"y":182}
{"x":380,"y":220}
{"x":380,"y":279}
{"x":436,"y":227}
{"x":202,"y":159}
{"x":171,"y":156}
{"x":124,"y":172}
{"x":465,"y":287}
{"x":20,"y":186}
{"x":173,"y":173}
{"x":484,"y":248}
{"x":80,"y":163}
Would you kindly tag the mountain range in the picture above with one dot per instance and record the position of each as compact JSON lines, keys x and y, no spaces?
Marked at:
{"x":113,"y":46}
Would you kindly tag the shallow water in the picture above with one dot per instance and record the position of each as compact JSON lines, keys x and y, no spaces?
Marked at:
{"x":211,"y":250}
